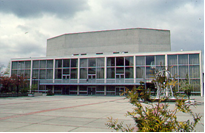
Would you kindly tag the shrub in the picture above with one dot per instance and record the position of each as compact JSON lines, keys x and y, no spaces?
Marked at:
{"x":155,"y":117}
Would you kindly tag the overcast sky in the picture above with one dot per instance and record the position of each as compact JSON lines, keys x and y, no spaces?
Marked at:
{"x":25,"y":25}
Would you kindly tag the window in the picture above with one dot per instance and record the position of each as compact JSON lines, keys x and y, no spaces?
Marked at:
{"x":119,"y":61}
{"x":100,"y":62}
{"x":194,"y":59}
{"x":66,"y":63}
{"x":140,"y":60}
{"x":183,"y":59}
{"x":49,"y":63}
{"x":92,"y":62}
{"x":150,"y":60}
{"x":83,"y":54}
{"x":172,"y":60}
{"x":58,"y":63}
{"x":111,"y":61}
{"x":129,"y":61}
{"x":116,"y":52}
{"x":36,"y":64}
{"x":74,"y":62}
{"x":43,"y":64}
{"x":83,"y":63}
{"x":99,"y":53}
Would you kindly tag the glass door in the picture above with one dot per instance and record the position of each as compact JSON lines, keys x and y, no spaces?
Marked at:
{"x":91,"y":90}
{"x":65,"y":76}
{"x":65,"y":90}
{"x":119,"y":90}
{"x":120,"y":78}
{"x":91,"y":78}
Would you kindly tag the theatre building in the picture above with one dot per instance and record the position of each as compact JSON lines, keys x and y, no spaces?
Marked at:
{"x":106,"y":62}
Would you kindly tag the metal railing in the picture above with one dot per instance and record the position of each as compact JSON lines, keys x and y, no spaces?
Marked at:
{"x":91,"y":81}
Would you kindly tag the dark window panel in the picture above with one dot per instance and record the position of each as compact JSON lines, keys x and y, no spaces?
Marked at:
{"x":43,"y":64}
{"x":49,"y":74}
{"x":74,"y":73}
{"x":58,"y":63}
{"x":150,"y":60}
{"x":111,"y":61}
{"x":129,"y":61}
{"x":83,"y":73}
{"x":49,"y":63}
{"x":74,"y":62}
{"x":36,"y":64}
{"x":119,"y":61}
{"x":92,"y":62}
{"x":110,"y":73}
{"x":66,"y":63}
{"x":58,"y":74}
{"x":129,"y":72}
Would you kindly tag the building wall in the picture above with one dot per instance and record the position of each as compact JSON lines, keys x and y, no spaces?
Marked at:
{"x":117,"y":70}
{"x":125,"y":40}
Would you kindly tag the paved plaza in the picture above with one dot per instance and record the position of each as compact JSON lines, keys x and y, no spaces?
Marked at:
{"x":71,"y":113}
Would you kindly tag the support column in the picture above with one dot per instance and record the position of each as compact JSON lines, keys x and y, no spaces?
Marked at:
{"x":54,"y":62}
{"x":78,"y":71}
{"x":166,"y":68}
{"x":166,"y":62}
{"x":78,"y":88}
{"x":31,"y":75}
{"x":134,"y":65}
{"x":105,"y":69}
{"x":53,"y":89}
{"x":201,"y":78}
{"x":104,"y":90}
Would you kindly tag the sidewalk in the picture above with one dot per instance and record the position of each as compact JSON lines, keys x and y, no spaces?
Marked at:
{"x":69,"y":113}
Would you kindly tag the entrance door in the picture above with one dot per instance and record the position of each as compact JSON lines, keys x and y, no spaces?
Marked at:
{"x":65,"y":90}
{"x":119,"y":90}
{"x":66,"y":76}
{"x":91,"y":90}
{"x":120,"y":78}
{"x":91,"y":78}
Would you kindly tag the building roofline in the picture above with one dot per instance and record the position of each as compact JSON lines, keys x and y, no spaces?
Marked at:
{"x":107,"y":30}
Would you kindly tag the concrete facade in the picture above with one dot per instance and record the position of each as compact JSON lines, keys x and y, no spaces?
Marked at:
{"x":124,"y":40}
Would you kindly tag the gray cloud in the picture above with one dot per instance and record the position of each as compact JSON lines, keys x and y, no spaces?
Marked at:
{"x":184,"y":18}
{"x":36,"y":8}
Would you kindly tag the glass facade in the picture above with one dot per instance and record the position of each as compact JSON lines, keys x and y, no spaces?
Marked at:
{"x":66,"y":68}
{"x":185,"y":67}
{"x":21,"y":68}
{"x":92,"y":68}
{"x":120,"y":67}
{"x":146,"y":66}
{"x":42,"y":69}
{"x":85,"y":76}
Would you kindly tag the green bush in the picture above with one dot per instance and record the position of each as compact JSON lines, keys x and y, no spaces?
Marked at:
{"x":155,"y":117}
{"x":24,"y":90}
